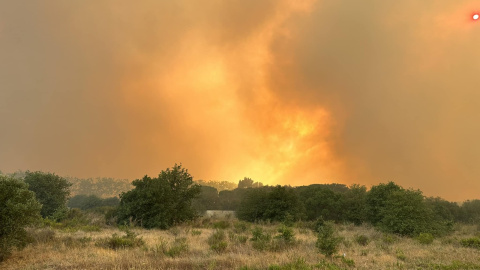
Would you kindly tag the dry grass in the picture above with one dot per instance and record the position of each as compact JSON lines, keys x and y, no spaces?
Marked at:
{"x":62,"y":250}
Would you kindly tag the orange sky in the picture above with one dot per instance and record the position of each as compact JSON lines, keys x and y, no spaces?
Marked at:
{"x":282,"y":91}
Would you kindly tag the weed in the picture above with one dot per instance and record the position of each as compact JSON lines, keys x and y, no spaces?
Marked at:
{"x":221,"y":225}
{"x":400,"y":255}
{"x":196,"y":232}
{"x":129,"y":240}
{"x":241,"y":227}
{"x":178,"y":247}
{"x":217,"y":241}
{"x":362,"y":240}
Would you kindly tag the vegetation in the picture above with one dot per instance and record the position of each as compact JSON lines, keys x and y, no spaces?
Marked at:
{"x":86,"y":202}
{"x":327,"y":239}
{"x":18,"y":209}
{"x":51,"y":191}
{"x":160,"y":202}
{"x":381,"y":228}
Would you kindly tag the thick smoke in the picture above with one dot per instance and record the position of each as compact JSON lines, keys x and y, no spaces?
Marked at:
{"x":289,"y":92}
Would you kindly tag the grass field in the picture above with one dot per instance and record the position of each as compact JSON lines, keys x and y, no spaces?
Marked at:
{"x":231,"y":247}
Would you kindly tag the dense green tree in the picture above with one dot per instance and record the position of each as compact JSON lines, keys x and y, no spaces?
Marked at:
{"x":253,"y":205}
{"x":275,"y":204}
{"x":354,"y":208}
{"x":377,"y":199}
{"x":51,"y":190}
{"x":406,"y":213}
{"x":470,"y":211}
{"x":321,"y":201}
{"x":18,"y":209}
{"x":160,"y":202}
{"x":443,"y":209}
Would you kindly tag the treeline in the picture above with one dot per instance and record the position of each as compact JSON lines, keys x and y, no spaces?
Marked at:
{"x":389,"y":206}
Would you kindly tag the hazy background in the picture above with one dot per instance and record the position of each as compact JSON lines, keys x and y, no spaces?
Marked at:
{"x":285,"y":92}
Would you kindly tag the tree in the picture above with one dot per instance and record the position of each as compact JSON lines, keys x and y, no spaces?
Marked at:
{"x":207,"y":200}
{"x":355,"y":204}
{"x":18,"y":208}
{"x":275,"y":204}
{"x":160,"y":202}
{"x":245,"y":183}
{"x":406,"y":213}
{"x":321,"y":201}
{"x":51,"y":190}
{"x":470,"y":211}
{"x":376,"y":200}
{"x":253,"y":205}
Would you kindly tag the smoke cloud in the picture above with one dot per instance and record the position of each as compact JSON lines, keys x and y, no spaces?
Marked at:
{"x":282,"y":91}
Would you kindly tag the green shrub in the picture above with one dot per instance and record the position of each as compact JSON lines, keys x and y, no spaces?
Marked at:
{"x":18,"y":209}
{"x":425,"y":238}
{"x":473,"y":242}
{"x":327,"y":239}
{"x":129,"y":240}
{"x":362,"y":240}
{"x":400,"y":255}
{"x":260,"y":239}
{"x":217,"y":241}
{"x":286,"y":234}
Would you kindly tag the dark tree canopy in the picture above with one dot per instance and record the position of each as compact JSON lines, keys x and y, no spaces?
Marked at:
{"x":160,"y":202}
{"x":275,"y":204}
{"x":51,"y":190}
{"x":377,"y":199}
{"x":18,"y":209}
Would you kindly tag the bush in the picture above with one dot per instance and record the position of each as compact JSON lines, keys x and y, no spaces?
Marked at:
{"x":129,"y":240}
{"x":473,"y":242}
{"x":286,"y":234}
{"x":425,"y":238}
{"x":327,"y":240}
{"x":18,"y":209}
{"x":217,"y":241}
{"x":260,"y":239}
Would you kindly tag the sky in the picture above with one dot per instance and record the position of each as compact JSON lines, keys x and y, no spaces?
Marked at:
{"x":289,"y":92}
